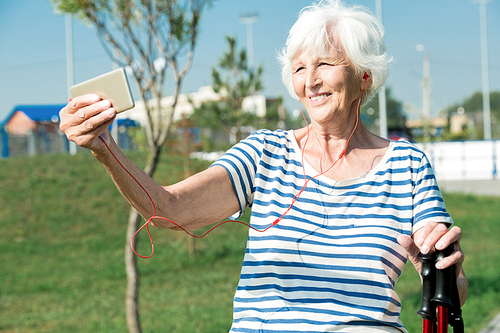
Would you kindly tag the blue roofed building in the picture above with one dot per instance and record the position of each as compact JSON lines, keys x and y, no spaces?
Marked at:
{"x":34,"y":129}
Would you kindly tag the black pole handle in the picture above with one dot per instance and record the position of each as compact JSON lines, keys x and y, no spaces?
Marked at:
{"x":445,"y":280}
{"x":439,"y":288}
{"x":427,"y":308}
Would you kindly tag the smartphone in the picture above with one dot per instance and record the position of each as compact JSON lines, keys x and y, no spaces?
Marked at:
{"x":112,"y":86}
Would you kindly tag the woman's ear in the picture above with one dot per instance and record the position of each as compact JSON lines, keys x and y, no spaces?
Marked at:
{"x":366,"y":82}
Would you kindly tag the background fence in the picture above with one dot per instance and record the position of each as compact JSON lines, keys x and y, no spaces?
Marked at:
{"x":456,"y":160}
{"x":464,"y":160}
{"x":45,"y":142}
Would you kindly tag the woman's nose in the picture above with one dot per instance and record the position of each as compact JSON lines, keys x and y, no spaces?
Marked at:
{"x":312,"y":78}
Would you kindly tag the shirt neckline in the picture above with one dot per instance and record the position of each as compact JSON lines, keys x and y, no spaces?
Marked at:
{"x":310,"y":170}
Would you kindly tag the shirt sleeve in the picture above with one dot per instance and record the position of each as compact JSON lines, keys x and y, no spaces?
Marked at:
{"x":428,"y":203}
{"x":241,"y":163}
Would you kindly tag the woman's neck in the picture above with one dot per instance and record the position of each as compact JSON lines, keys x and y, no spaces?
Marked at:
{"x":322,"y":148}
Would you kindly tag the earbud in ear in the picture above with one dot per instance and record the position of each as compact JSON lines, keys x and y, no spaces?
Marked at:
{"x":366,"y":76}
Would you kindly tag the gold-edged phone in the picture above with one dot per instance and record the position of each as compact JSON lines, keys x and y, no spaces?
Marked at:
{"x":112,"y":86}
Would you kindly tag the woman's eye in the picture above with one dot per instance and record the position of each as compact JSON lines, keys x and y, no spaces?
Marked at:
{"x":298,"y":69}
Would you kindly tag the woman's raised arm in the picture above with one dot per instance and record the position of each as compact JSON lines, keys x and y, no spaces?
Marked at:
{"x":202,"y":199}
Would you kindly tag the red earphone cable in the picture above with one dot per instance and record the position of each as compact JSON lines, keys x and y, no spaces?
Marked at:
{"x":295,"y":198}
{"x":164,"y":218}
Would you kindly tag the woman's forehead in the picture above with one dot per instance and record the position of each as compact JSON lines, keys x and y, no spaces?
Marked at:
{"x":329,"y":52}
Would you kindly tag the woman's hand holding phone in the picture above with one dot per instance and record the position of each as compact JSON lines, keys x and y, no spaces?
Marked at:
{"x":85,"y":118}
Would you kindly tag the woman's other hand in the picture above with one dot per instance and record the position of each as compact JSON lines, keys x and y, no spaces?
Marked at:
{"x":436,"y":236}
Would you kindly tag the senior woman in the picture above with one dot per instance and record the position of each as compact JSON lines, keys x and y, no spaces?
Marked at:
{"x":342,"y":208}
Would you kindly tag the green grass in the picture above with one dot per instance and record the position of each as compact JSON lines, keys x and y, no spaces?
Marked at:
{"x":62,"y":239}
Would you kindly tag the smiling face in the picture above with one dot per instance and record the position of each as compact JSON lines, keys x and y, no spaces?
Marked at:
{"x":327,"y":86}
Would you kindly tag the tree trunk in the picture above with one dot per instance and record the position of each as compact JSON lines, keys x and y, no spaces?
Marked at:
{"x":186,"y":145}
{"x":131,"y":298}
{"x":133,"y":279}
{"x":154,"y":158}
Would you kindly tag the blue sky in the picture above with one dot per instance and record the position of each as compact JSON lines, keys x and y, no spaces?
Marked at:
{"x":33,"y":51}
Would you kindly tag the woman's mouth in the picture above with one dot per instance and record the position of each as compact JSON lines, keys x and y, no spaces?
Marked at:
{"x":318,"y":97}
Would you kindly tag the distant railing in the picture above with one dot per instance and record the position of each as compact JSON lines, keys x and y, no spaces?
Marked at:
{"x":38,"y":143}
{"x":33,"y":144}
{"x":464,"y":160}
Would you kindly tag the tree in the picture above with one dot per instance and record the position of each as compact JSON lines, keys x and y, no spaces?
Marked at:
{"x":396,"y":120}
{"x":474,"y":103}
{"x":473,"y":107}
{"x":233,"y":80}
{"x":148,"y":36}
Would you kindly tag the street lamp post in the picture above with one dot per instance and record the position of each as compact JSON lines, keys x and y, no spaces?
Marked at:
{"x":484,"y":68}
{"x":382,"y":104}
{"x":426,"y":86}
{"x":70,"y":71}
{"x":249,"y":19}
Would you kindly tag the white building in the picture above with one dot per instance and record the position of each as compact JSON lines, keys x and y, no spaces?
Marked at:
{"x":255,"y":104}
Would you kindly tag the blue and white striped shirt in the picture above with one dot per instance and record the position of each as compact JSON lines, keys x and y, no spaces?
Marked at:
{"x":332,"y":262}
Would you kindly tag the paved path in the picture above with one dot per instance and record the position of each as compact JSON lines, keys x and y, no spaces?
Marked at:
{"x":481,"y":187}
{"x":493,"y":326}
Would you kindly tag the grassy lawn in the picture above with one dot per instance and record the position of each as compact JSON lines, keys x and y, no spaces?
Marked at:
{"x":62,"y":238}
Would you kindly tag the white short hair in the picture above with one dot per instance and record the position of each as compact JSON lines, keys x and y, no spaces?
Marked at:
{"x":359,"y":34}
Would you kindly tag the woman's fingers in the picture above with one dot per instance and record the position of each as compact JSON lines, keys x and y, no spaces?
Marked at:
{"x":90,"y":111}
{"x":452,"y":236}
{"x":79,"y":102}
{"x":85,"y":118}
{"x":412,"y":249}
{"x":429,"y":235}
{"x":409,"y":245}
{"x":434,"y":236}
{"x":456,"y":257}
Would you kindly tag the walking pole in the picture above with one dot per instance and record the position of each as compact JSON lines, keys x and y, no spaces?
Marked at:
{"x":442,"y":320}
{"x":442,"y":296}
{"x":455,"y":315}
{"x":427,"y":308}
{"x":439,"y":292}
{"x":446,"y":297}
